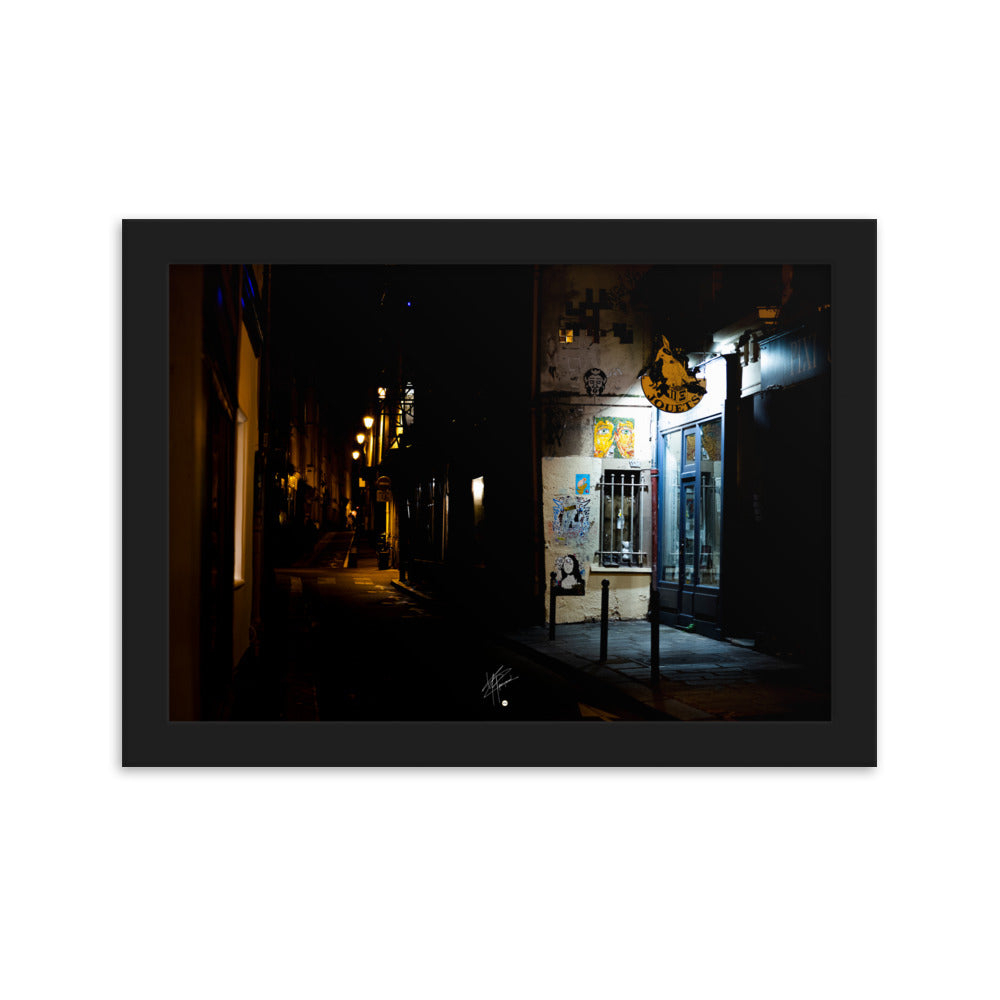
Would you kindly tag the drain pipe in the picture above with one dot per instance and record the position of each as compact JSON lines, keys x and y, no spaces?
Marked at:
{"x":654,"y":584}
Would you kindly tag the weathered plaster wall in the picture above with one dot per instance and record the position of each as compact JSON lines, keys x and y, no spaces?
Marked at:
{"x":610,"y":334}
{"x":591,"y":373}
{"x":188,"y":434}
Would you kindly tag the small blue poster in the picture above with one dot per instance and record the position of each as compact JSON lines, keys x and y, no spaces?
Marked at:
{"x":583,"y":485}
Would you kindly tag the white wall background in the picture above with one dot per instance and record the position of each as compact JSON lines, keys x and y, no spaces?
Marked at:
{"x":537,"y":883}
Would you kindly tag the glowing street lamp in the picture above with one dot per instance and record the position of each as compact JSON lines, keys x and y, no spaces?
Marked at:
{"x":368,"y":421}
{"x":360,"y":438}
{"x":355,"y":455}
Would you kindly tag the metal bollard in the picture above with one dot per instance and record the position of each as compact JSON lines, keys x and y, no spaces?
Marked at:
{"x":604,"y":620}
{"x":654,"y":637}
{"x":552,"y":605}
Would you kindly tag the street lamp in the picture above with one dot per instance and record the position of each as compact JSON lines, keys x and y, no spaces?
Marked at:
{"x":368,"y":421}
{"x":355,"y":455}
{"x":360,"y":438}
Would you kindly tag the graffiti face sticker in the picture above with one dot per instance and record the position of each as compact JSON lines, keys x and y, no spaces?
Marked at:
{"x":625,"y":438}
{"x":614,"y":437}
{"x":604,"y":437}
{"x":595,"y":380}
{"x":569,"y":576}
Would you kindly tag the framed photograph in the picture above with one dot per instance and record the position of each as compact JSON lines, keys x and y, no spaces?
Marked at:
{"x":499,"y":493}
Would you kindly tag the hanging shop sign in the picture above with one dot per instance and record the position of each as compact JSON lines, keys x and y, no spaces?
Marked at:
{"x":667,"y":383}
{"x":383,"y":489}
{"x":794,"y":357}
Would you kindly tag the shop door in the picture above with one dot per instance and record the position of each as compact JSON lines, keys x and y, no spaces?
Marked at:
{"x":691,"y":484}
{"x":688,"y":547}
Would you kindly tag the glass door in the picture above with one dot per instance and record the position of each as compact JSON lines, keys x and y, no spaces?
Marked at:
{"x":691,"y":522}
{"x":689,"y":551}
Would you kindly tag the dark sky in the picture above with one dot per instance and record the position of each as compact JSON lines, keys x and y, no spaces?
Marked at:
{"x":341,"y":328}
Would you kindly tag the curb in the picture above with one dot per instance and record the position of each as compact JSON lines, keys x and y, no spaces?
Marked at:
{"x":413,"y":592}
{"x":610,"y":693}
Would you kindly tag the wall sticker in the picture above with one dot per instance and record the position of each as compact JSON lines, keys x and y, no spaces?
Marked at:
{"x":569,"y":576}
{"x":570,"y":517}
{"x":595,"y":380}
{"x":614,"y":437}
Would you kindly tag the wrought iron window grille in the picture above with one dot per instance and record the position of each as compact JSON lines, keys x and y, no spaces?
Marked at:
{"x":624,"y":501}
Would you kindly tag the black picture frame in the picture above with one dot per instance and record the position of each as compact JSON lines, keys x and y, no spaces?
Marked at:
{"x":150,"y":246}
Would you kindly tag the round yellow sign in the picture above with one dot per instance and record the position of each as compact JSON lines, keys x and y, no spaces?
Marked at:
{"x":668,"y":385}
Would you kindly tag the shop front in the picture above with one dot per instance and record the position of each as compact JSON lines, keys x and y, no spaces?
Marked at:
{"x":695,"y":484}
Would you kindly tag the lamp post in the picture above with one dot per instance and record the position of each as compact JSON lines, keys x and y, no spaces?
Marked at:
{"x":369,"y":505}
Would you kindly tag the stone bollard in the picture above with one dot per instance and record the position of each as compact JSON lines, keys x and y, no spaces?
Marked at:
{"x":654,"y":637}
{"x":552,"y":605}
{"x":605,"y":584}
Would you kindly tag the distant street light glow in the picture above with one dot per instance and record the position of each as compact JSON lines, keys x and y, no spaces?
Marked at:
{"x":360,"y":438}
{"x":368,"y":421}
{"x":355,"y":455}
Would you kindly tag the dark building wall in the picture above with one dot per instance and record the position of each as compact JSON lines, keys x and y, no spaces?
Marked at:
{"x":784,"y":502}
{"x":188,"y":467}
{"x":206,"y":325}
{"x":466,"y":345}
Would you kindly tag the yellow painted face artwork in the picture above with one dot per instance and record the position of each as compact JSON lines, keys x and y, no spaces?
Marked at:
{"x":604,"y":436}
{"x":669,"y":386}
{"x":625,"y":439}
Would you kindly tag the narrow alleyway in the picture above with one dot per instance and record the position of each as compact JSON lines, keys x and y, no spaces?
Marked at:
{"x":344,"y":644}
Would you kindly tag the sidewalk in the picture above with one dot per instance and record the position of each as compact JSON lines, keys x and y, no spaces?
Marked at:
{"x":700,"y":678}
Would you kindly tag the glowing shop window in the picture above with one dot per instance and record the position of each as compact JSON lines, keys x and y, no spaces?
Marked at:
{"x":239,"y":540}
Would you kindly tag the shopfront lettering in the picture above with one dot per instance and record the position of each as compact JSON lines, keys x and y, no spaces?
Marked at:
{"x":793,"y":358}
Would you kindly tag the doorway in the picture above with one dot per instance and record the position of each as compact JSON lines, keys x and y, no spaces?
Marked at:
{"x":691,"y":531}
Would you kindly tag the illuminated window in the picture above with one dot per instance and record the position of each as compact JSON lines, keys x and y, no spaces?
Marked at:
{"x":566,"y":336}
{"x":241,"y":496}
{"x":404,"y":415}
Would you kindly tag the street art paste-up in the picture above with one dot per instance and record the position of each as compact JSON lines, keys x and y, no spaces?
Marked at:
{"x":583,"y":485}
{"x":614,"y":437}
{"x":595,"y":380}
{"x":569,"y":576}
{"x":570,"y":517}
{"x":604,"y":437}
{"x":667,"y":383}
{"x":625,"y":438}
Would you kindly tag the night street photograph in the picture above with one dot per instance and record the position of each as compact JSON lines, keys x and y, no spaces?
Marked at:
{"x":542,"y":492}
